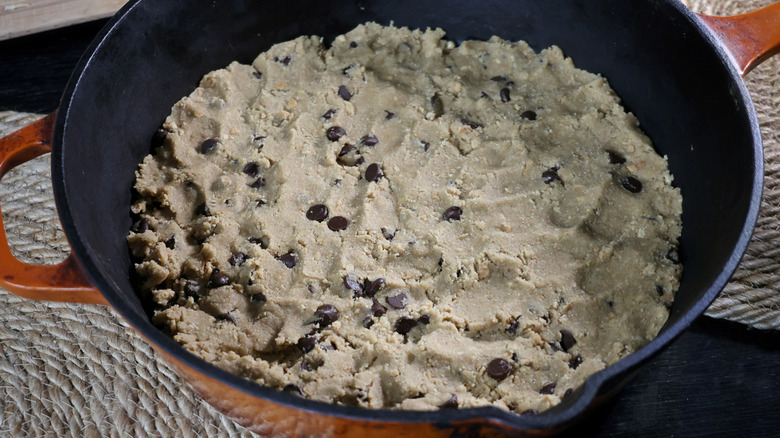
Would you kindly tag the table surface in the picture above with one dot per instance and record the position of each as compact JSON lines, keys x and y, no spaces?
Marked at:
{"x":718,"y":379}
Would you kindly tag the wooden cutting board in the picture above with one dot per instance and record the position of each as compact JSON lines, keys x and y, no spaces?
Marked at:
{"x":23,"y":17}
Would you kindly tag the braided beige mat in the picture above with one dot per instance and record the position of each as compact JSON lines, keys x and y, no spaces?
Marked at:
{"x":79,"y":370}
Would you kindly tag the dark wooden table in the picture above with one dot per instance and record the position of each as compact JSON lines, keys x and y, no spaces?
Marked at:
{"x":718,"y":379}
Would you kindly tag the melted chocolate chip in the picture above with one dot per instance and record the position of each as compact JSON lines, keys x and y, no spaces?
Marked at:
{"x":317,"y":212}
{"x":237,"y":258}
{"x":631,"y":184}
{"x":259,"y":183}
{"x":352,"y":282}
{"x":499,"y":369}
{"x":469,"y":123}
{"x":615,"y":158}
{"x":344,"y":92}
{"x":398,"y":301}
{"x":252,"y":169}
{"x":258,"y":298}
{"x":548,"y":388}
{"x":202,"y":210}
{"x":217,"y":279}
{"x":567,"y":340}
{"x":208,"y":145}
{"x":334,"y":133}
{"x":438,"y":106}
{"x":307,"y":343}
{"x":550,"y":175}
{"x":504,"y":94}
{"x":389,"y":235}
{"x":328,"y":114}
{"x":575,"y":361}
{"x":326,"y":313}
{"x":290,"y":259}
{"x":377,"y":309}
{"x":452,"y":214}
{"x":373,"y":172}
{"x":451,"y":403}
{"x":389,"y":115}
{"x":371,"y":288}
{"x":404,"y":325}
{"x":369,"y":140}
{"x":338,"y":223}
{"x":528,"y":115}
{"x":141,"y":226}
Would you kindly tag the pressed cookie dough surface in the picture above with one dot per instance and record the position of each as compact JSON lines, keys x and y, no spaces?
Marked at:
{"x":400,"y":222}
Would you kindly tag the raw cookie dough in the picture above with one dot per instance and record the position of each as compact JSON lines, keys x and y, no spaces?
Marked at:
{"x":398,"y":221}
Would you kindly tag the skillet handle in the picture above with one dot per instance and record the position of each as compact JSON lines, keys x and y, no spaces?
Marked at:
{"x":750,"y":38}
{"x":61,"y":282}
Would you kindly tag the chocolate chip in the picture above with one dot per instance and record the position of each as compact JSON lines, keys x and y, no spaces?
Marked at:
{"x":327,"y":313}
{"x":141,"y":226}
{"x":252,"y":169}
{"x":202,"y":210}
{"x":334,"y":133}
{"x":259,"y":183}
{"x":515,"y":358}
{"x":258,"y":241}
{"x":389,"y":115}
{"x":673,"y":256}
{"x":208,"y":145}
{"x":344,"y":93}
{"x":660,"y":290}
{"x":568,"y":392}
{"x":469,"y":123}
{"x":499,"y":79}
{"x":398,"y":301}
{"x":345,"y":70}
{"x":237,"y":258}
{"x":293,"y":389}
{"x":404,"y":325}
{"x":631,"y":184}
{"x":371,"y":288}
{"x":352,"y":282}
{"x":548,"y":388}
{"x":575,"y":361}
{"x":338,"y":223}
{"x":290,"y":259}
{"x":307,"y":343}
{"x":550,"y":175}
{"x":499,"y":369}
{"x":504,"y":94}
{"x":353,"y":44}
{"x":567,"y":340}
{"x":217,"y":279}
{"x":258,"y":298}
{"x":452,"y":214}
{"x":529,"y":412}
{"x":424,"y":319}
{"x":284,"y":61}
{"x":484,"y":95}
{"x":347,"y":148}
{"x":438,"y":105}
{"x":159,"y":137}
{"x":426,"y":145}
{"x":377,"y":309}
{"x":368,"y":322}
{"x":528,"y":115}
{"x":373,"y":172}
{"x":190,"y":289}
{"x":369,"y":140}
{"x":451,"y":403}
{"x":512,"y":328}
{"x":389,"y":235}
{"x":257,"y":74}
{"x":226,"y":317}
{"x":317,"y":212}
{"x":615,"y":158}
{"x":360,"y":161}
{"x":328,"y":114}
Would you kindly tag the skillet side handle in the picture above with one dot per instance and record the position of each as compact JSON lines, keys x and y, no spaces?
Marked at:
{"x":61,"y":282}
{"x":750,"y":38}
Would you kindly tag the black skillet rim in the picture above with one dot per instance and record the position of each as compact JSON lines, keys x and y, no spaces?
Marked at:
{"x":551,"y":420}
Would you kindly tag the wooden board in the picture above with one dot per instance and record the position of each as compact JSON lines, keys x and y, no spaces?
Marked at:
{"x":23,"y":17}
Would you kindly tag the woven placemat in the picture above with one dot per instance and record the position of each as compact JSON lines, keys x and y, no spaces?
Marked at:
{"x":79,"y":370}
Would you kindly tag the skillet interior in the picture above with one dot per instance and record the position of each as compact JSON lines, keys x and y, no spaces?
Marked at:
{"x":692,"y":105}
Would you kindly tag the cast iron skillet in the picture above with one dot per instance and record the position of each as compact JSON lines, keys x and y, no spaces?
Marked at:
{"x":668,"y":64}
